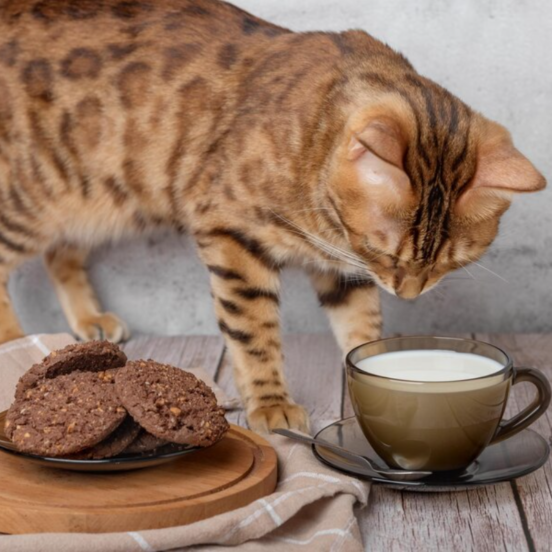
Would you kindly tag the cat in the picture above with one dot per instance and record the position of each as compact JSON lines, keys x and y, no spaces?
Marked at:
{"x":326,"y":150}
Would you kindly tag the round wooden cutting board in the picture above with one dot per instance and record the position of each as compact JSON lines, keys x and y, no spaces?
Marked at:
{"x":239,"y":469}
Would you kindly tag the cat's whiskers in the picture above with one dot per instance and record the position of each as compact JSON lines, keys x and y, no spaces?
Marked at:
{"x":469,"y":273}
{"x":328,"y":230}
{"x":310,"y":209}
{"x":454,"y":281}
{"x":336,"y":229}
{"x":491,"y":271}
{"x":382,"y":254}
{"x":439,"y":292}
{"x":339,"y":263}
{"x":338,"y":252}
{"x":324,"y":245}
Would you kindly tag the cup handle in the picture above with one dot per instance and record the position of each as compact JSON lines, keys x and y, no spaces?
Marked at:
{"x":530,"y":413}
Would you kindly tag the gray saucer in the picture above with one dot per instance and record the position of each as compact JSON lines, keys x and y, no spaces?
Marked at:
{"x":521,"y":454}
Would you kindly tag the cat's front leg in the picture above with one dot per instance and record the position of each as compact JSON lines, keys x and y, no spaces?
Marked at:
{"x":245,"y":286}
{"x":353,"y":308}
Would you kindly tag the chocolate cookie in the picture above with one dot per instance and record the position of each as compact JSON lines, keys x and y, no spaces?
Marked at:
{"x":94,"y":356}
{"x":170,"y":403}
{"x":144,"y":442}
{"x":113,"y":445}
{"x":66,"y":414}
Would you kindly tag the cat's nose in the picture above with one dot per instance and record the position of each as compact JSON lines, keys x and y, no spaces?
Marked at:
{"x":408,"y":292}
{"x":405,"y":285}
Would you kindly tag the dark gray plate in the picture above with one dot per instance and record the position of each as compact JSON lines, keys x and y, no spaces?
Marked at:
{"x":122,"y":462}
{"x":521,"y":454}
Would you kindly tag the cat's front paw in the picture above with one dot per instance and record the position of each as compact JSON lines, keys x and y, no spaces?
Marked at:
{"x":288,"y":416}
{"x":103,"y":326}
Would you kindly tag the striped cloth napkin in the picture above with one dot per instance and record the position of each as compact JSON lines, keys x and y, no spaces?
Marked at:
{"x":312,"y":507}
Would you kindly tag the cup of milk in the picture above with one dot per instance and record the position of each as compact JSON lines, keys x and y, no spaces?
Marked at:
{"x":435,"y":403}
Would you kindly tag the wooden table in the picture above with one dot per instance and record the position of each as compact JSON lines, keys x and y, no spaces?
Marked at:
{"x":514,"y":516}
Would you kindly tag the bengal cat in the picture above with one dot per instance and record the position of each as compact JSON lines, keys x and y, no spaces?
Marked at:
{"x":269,"y":147}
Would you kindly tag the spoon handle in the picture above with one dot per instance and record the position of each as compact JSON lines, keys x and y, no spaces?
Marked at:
{"x":336,"y":448}
{"x":396,"y":475}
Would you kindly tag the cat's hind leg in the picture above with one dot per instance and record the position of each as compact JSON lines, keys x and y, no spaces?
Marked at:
{"x":16,"y":245}
{"x":9,"y":325}
{"x":66,"y":266}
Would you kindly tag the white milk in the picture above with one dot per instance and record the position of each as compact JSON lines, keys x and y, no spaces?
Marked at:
{"x":426,"y":365}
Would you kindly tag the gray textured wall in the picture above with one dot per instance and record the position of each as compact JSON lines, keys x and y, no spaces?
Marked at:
{"x":493,"y":54}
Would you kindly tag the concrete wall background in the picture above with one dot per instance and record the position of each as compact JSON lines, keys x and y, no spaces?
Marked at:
{"x":495,"y":55}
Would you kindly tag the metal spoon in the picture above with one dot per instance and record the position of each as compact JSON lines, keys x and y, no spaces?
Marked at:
{"x":396,"y":475}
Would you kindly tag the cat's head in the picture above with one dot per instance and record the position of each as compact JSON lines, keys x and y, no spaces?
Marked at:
{"x":419,"y":185}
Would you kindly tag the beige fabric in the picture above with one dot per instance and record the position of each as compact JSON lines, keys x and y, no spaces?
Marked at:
{"x":311,"y":509}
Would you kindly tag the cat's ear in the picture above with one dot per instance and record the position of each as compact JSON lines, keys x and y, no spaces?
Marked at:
{"x":377,"y":151}
{"x":383,"y":136}
{"x":501,"y":172}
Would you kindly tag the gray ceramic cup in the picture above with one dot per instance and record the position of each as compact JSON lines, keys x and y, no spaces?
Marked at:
{"x":439,"y":426}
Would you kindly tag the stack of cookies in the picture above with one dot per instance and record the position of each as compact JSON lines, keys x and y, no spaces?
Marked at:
{"x":89,"y":402}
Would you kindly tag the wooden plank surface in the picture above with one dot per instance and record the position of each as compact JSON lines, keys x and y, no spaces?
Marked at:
{"x":188,"y":351}
{"x":535,"y":490}
{"x":315,"y":375}
{"x":484,"y":519}
{"x":501,"y":517}
{"x":225,"y":381}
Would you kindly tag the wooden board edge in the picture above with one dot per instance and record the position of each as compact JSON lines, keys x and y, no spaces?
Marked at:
{"x":260,"y":482}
